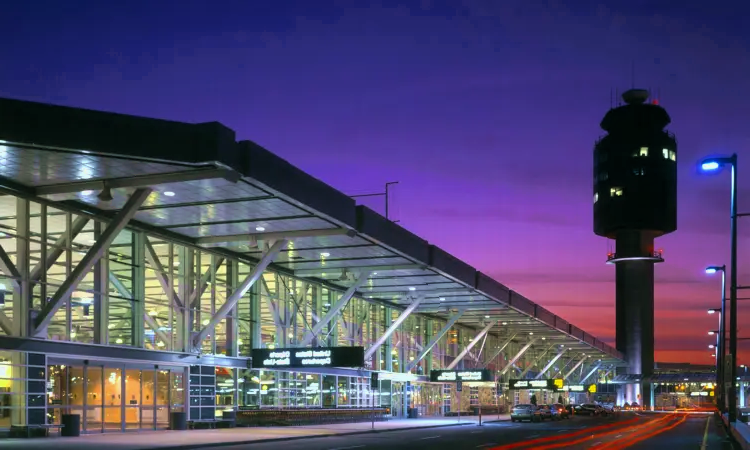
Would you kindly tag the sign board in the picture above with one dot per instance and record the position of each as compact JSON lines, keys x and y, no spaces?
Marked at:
{"x":374,"y":381}
{"x":459,"y":386}
{"x":300,"y":358}
{"x":452,"y":376}
{"x":550,"y":384}
{"x":592,"y":388}
{"x":574,"y":388}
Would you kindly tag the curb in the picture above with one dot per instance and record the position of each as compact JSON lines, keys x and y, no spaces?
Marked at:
{"x":296,"y":438}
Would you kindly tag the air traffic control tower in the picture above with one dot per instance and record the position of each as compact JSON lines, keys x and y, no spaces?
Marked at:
{"x":635,"y":201}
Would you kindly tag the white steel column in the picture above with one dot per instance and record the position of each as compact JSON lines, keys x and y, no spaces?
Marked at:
{"x":89,"y":259}
{"x":518,"y":356}
{"x":335,"y":310}
{"x":583,"y":380}
{"x":500,"y":350}
{"x":550,"y":363}
{"x":471,"y":344}
{"x":241,"y":290}
{"x":578,"y":364}
{"x":536,"y":361}
{"x":451,"y":321}
{"x":394,"y":326}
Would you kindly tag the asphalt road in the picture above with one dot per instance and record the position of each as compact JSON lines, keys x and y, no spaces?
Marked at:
{"x":458,"y":437}
{"x":631,"y":431}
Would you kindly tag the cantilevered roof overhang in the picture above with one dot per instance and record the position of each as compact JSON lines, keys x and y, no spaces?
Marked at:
{"x":236,"y":197}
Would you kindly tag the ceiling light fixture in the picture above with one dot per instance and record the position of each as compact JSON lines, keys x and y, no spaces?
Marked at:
{"x":442,"y":299}
{"x":87,"y":192}
{"x":106,"y":194}
{"x":260,"y":229}
{"x":325,"y":254}
{"x":169,"y":193}
{"x":412,"y":288}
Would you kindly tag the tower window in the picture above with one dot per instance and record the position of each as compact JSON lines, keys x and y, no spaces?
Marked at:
{"x":596,"y":197}
{"x":615,"y":192}
{"x":603,"y":176}
{"x":669,"y":154}
{"x":638,"y":171}
{"x":665,"y":152}
{"x":673,"y":155}
{"x":643,"y":151}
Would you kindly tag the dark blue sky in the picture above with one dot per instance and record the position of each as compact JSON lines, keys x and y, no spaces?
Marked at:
{"x":485,"y":111}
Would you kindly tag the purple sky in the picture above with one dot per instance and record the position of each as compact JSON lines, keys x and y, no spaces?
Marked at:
{"x":486,"y":115}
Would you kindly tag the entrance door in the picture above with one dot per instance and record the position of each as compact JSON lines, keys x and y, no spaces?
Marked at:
{"x":114,"y":398}
{"x":397,"y":403}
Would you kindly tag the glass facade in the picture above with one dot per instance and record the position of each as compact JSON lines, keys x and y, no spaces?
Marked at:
{"x":152,"y":294}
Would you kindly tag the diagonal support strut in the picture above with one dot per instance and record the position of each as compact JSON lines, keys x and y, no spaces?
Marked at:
{"x":394,"y":326}
{"x":471,"y":344}
{"x":435,"y":339}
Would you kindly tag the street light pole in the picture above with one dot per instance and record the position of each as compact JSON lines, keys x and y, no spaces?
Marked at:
{"x":733,"y":298}
{"x":712,"y":164}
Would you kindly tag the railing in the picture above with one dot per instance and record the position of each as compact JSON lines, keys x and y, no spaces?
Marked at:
{"x":653,"y":255}
{"x":298,"y":417}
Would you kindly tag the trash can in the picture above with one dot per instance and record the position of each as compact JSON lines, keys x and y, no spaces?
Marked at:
{"x":177,"y":420}
{"x":71,"y":425}
{"x":413,"y":413}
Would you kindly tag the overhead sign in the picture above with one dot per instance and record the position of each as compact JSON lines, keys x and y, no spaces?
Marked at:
{"x":592,"y":388}
{"x":549,"y":384}
{"x":452,"y":376}
{"x":574,"y":388}
{"x":300,"y":358}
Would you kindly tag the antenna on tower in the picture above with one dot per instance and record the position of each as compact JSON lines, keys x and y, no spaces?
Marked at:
{"x":632,"y":74}
{"x":611,"y":98}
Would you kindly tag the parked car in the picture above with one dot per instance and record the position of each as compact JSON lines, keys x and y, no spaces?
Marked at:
{"x":571,"y":409}
{"x":525,"y":411}
{"x":589,"y":409}
{"x":559,"y":411}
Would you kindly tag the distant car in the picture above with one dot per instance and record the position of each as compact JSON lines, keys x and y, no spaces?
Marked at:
{"x":589,"y":409}
{"x":525,"y":411}
{"x":559,"y":411}
{"x":571,"y":409}
{"x":546,"y":412}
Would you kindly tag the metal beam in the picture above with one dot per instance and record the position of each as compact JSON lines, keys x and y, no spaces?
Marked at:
{"x":536,"y":361}
{"x":273,"y":235}
{"x":500,"y":349}
{"x":205,"y":280}
{"x":518,"y":356}
{"x":58,"y":248}
{"x":471,"y":344}
{"x":161,"y":276}
{"x":150,"y":321}
{"x":5,"y":324}
{"x":583,"y":380}
{"x":241,"y":290}
{"x":551,"y":362}
{"x":139,"y":181}
{"x":435,"y":339}
{"x":394,"y":326}
{"x":333,"y":312}
{"x":374,"y":269}
{"x":9,"y":269}
{"x":578,"y":364}
{"x":90,"y":258}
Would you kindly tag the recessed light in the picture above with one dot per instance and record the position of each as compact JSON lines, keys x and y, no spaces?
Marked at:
{"x":325,"y":254}
{"x":327,"y":305}
{"x":412,"y":288}
{"x":374,"y":273}
{"x":531,"y":333}
{"x":169,"y":193}
{"x":505,"y":323}
{"x":486,"y":317}
{"x":544,"y":338}
{"x":260,"y":229}
{"x":442,"y":299}
{"x":87,"y":192}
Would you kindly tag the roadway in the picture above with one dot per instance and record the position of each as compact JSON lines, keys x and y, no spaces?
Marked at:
{"x":631,"y":431}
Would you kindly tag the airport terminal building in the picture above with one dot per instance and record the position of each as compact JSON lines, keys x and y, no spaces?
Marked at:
{"x":142,"y":261}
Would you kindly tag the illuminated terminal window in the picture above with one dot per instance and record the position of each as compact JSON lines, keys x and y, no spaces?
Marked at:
{"x":669,"y":154}
{"x":615,"y":192}
{"x":596,"y":197}
{"x":643,"y":151}
{"x":638,"y":171}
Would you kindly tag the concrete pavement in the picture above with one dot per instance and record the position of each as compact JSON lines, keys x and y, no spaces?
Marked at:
{"x":164,"y":440}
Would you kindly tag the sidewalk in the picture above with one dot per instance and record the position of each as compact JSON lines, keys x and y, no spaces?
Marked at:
{"x":163,"y":440}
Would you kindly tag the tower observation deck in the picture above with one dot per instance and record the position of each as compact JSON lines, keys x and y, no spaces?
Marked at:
{"x":635,"y":201}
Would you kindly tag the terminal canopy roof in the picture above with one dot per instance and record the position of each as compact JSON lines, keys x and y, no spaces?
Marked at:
{"x":236,"y":198}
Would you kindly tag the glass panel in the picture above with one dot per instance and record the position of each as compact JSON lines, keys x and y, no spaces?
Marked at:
{"x":177,"y":393}
{"x":162,"y":399}
{"x":148,"y":399}
{"x":112,"y":398}
{"x":329,"y":391}
{"x":94,"y":399}
{"x":132,"y":398}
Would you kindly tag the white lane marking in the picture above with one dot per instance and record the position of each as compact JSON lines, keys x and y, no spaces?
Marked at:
{"x":489,"y":444}
{"x":475,"y":432}
{"x":561,"y":431}
{"x":618,"y":436}
{"x":428,"y":437}
{"x":534,"y":435}
{"x":595,"y":444}
{"x":345,"y":448}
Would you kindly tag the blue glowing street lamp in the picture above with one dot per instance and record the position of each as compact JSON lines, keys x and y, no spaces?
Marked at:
{"x":711,"y":165}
